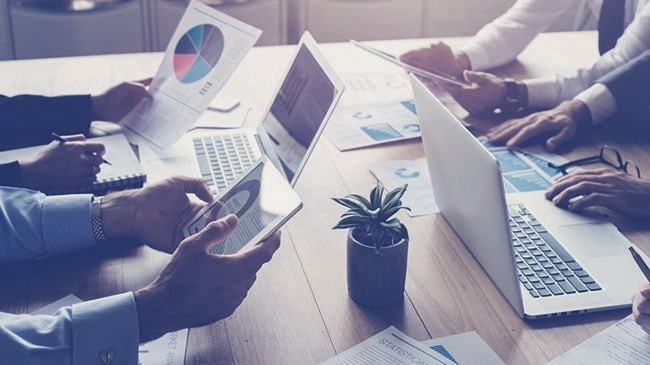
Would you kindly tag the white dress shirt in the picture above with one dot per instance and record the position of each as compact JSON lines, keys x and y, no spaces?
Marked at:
{"x":502,"y":40}
{"x":33,"y":225}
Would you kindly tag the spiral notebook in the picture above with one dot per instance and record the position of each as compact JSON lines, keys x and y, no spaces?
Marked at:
{"x":125,"y":171}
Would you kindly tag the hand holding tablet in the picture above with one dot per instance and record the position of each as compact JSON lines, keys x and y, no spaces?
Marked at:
{"x":261,"y":198}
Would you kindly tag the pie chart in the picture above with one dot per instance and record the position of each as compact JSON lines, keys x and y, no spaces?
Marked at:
{"x":197,"y":52}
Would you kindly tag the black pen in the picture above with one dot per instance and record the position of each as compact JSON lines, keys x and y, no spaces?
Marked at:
{"x":640,"y":262}
{"x":63,"y":140}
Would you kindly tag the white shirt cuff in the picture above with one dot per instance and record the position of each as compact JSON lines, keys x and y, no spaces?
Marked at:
{"x":542,"y":92}
{"x":478,"y":58}
{"x":600,"y":101}
{"x":66,"y":223}
{"x":105,"y":328}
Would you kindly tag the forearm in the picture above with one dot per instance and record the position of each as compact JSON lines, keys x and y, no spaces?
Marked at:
{"x":74,"y":335}
{"x":504,"y":38}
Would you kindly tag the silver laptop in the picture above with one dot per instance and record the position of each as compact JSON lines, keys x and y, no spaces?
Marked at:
{"x":546,"y":261}
{"x":295,"y":119}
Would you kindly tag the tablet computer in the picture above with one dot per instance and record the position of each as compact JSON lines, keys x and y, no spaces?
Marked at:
{"x":261,"y":198}
{"x":417,"y":71}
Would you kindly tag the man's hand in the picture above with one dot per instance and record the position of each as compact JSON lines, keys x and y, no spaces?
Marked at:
{"x":155,"y":214}
{"x":116,"y":102}
{"x":439,"y":59}
{"x":641,"y":307}
{"x":561,"y":124}
{"x":605,"y":187}
{"x":197,"y":288}
{"x":63,"y":165}
{"x":486,"y":92}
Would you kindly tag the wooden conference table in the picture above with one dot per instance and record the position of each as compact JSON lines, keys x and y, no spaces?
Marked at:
{"x":299,"y":311}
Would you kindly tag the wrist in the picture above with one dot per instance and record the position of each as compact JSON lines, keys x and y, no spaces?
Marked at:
{"x":27,"y":169}
{"x":579,"y":112}
{"x":118,"y":212}
{"x":96,"y":108}
{"x":151,"y":318}
{"x":462,"y":63}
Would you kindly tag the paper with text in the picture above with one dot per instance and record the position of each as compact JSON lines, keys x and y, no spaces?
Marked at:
{"x":389,"y":347}
{"x":373,"y":124}
{"x":623,"y":343}
{"x":465,"y":349}
{"x":379,"y":88}
{"x":419,"y":194}
{"x":204,"y":51}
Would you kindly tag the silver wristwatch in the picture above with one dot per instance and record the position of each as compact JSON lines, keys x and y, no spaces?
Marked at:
{"x":96,"y":220}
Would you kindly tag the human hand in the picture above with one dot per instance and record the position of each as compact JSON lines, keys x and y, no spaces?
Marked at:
{"x":116,"y":102}
{"x":155,"y":214}
{"x":438,"y":58}
{"x":561,"y":124}
{"x":63,"y":165}
{"x":606,"y":187}
{"x":485,"y":93}
{"x":641,"y":307}
{"x":197,"y":288}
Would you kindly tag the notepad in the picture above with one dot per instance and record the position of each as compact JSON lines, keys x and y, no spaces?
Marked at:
{"x":125,"y":171}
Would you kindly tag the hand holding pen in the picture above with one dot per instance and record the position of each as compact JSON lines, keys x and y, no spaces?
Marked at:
{"x":71,"y":163}
{"x":60,"y":139}
{"x":641,"y":300}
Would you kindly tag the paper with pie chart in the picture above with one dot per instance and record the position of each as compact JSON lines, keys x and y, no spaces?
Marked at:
{"x":419,"y":194}
{"x":204,"y":51}
{"x":373,"y":124}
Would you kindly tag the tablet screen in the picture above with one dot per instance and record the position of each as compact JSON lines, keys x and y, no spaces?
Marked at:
{"x":262,"y":200}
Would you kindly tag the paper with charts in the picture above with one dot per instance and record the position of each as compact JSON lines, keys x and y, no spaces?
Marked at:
{"x":168,"y":349}
{"x":204,"y":51}
{"x":624,"y":343}
{"x":464,"y":349}
{"x":419,"y":194}
{"x":389,"y":346}
{"x":372,"y":124}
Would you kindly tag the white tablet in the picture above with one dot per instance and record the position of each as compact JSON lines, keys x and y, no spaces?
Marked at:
{"x":261,"y":198}
{"x":415,"y":70}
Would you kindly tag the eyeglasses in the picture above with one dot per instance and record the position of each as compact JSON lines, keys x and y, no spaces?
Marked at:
{"x":607,"y":155}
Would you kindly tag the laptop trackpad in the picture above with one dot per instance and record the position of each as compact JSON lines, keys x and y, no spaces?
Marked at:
{"x":592,"y":239}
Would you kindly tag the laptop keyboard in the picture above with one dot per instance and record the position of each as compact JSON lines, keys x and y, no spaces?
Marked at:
{"x":544,"y":267}
{"x":222,"y":158}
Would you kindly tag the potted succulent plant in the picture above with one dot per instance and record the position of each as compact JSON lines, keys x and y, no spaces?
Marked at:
{"x":377,"y":246}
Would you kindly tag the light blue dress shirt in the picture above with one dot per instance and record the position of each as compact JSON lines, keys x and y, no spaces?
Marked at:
{"x":103,"y":331}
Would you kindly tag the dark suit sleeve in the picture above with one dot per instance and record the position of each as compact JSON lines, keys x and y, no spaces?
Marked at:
{"x":630,"y":85}
{"x":10,"y":174}
{"x":27,"y":120}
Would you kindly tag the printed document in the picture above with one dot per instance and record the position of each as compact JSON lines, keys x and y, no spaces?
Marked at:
{"x":380,"y":88}
{"x":419,"y":194}
{"x":169,"y":349}
{"x":204,"y":51}
{"x":523,"y":171}
{"x":465,"y":349}
{"x":372,"y":124}
{"x":623,"y":343}
{"x":389,"y":347}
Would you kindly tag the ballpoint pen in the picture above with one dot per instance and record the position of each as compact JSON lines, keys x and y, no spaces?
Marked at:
{"x":63,"y":140}
{"x":639,"y":261}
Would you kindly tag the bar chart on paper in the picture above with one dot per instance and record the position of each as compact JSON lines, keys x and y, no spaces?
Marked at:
{"x":197,"y":52}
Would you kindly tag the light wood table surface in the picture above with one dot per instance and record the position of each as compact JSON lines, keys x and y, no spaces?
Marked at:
{"x":299,"y":311}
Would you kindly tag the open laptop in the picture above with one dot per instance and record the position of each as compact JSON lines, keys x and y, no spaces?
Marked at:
{"x":546,"y":261}
{"x":295,"y":119}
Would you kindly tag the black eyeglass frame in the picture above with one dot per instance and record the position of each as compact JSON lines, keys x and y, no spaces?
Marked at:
{"x":621,"y":165}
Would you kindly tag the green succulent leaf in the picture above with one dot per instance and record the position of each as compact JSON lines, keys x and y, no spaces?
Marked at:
{"x":393,"y":197}
{"x":352,"y":221}
{"x":375,"y":196}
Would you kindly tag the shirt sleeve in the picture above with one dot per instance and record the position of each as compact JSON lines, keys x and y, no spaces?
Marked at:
{"x":27,"y":120}
{"x":600,"y":102}
{"x":34,"y":225}
{"x":79,"y":335}
{"x":548,"y":92}
{"x":504,"y":38}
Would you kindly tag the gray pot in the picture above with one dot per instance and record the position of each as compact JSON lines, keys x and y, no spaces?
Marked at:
{"x":376,"y":279}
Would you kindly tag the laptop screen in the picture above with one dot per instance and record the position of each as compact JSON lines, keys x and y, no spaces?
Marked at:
{"x":298,"y":110}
